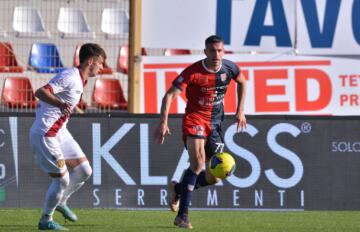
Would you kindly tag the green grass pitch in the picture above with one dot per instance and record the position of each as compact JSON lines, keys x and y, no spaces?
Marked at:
{"x":227,"y":221}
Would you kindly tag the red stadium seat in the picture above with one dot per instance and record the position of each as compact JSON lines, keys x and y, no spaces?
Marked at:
{"x":82,"y":104}
{"x":18,"y":93}
{"x":8,"y":61}
{"x":108,"y":94}
{"x":123,"y":63}
{"x":105,"y":70}
{"x":174,"y":51}
{"x":76,"y":55}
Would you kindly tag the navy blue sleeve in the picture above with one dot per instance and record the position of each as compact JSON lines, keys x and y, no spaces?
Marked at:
{"x":232,"y":68}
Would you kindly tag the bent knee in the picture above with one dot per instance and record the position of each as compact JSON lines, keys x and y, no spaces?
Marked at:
{"x":86,"y":170}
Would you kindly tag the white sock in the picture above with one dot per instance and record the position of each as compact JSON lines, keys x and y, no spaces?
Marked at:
{"x":77,"y":179}
{"x":54,"y":194}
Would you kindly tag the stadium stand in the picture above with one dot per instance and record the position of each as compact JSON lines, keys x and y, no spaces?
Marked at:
{"x":72,"y":23}
{"x":51,"y":30}
{"x":27,"y":22}
{"x":45,"y":58}
{"x":8,"y":61}
{"x":123,"y":63}
{"x":115,"y":23}
{"x":18,"y":93}
{"x":82,"y":104}
{"x":2,"y":33}
{"x":76,"y":55}
{"x":108,"y":94}
{"x":175,"y":51}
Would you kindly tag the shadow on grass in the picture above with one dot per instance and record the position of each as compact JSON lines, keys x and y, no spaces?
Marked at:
{"x":18,"y":227}
{"x":112,"y":227}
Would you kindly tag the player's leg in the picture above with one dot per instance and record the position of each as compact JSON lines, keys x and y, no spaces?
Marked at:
{"x":50,"y":159}
{"x":197,"y":159}
{"x":52,"y":199}
{"x":81,"y":171}
{"x":78,"y":176}
{"x":204,"y":178}
{"x":175,"y":193}
{"x":214,"y":144}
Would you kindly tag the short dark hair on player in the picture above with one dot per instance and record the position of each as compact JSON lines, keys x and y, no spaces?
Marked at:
{"x":89,"y":50}
{"x":213,"y":39}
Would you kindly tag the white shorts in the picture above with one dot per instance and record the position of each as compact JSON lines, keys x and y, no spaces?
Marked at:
{"x":52,"y":151}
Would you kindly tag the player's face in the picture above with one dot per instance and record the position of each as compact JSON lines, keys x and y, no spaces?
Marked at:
{"x":96,"y":66}
{"x":214,"y":53}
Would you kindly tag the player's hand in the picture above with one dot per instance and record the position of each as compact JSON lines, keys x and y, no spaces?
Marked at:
{"x":240,"y":121}
{"x":161,"y":131}
{"x":65,"y":108}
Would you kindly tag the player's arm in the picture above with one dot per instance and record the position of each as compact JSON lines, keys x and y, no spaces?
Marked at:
{"x":163,"y":129}
{"x":45,"y":94}
{"x":240,"y":111}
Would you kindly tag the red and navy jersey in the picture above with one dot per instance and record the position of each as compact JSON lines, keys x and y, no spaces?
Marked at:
{"x":205,"y":90}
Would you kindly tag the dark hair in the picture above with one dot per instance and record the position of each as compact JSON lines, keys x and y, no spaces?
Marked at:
{"x":89,"y":50}
{"x":213,"y":39}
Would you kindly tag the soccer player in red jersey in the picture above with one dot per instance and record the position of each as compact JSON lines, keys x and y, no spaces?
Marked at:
{"x":206,"y":82}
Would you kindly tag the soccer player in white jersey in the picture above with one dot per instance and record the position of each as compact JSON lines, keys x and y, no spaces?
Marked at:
{"x":55,"y":148}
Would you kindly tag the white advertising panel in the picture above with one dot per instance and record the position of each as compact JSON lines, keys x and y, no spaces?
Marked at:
{"x":244,"y":25}
{"x":177,"y":24}
{"x":309,"y":26}
{"x":328,"y":27}
{"x":294,"y":85}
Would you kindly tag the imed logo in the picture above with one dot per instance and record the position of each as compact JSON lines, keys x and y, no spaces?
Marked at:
{"x":279,"y":86}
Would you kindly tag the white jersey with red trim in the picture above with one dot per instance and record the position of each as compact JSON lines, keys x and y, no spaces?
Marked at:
{"x":68,"y":86}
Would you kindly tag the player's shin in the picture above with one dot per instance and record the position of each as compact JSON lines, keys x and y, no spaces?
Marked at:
{"x":188,"y":185}
{"x":77,"y":179}
{"x":201,"y":180}
{"x":54,"y":195}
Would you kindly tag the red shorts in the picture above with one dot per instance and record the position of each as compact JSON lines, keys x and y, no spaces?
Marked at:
{"x":195,"y":126}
